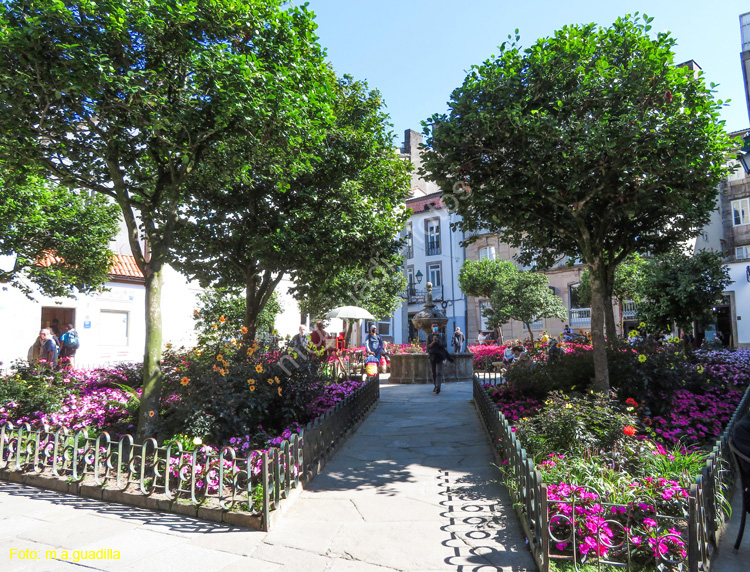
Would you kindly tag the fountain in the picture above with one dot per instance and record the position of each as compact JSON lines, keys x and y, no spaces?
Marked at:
{"x":415,"y":368}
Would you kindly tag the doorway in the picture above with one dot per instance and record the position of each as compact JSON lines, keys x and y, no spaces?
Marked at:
{"x":62,"y":315}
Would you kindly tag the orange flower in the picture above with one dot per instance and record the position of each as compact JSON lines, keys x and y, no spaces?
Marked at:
{"x":250,"y":351}
{"x":222,"y":319}
{"x":185,"y":380}
{"x":259,"y":368}
{"x":195,"y":312}
{"x":151,"y":413}
{"x":215,"y":326}
{"x":279,"y":391}
{"x":251,"y":381}
{"x":276,"y":379}
{"x":243,"y":329}
{"x":219,"y":357}
{"x":223,"y":372}
{"x":252,"y":388}
{"x":629,"y":430}
{"x":270,"y":381}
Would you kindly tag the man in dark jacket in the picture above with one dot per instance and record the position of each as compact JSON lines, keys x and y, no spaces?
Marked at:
{"x":436,"y":348}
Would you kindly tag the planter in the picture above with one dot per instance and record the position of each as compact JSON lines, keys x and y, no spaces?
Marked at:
{"x":415,"y":368}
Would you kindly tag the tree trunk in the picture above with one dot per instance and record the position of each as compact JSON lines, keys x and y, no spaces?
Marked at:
{"x":258,"y":291}
{"x":598,"y":301}
{"x":148,"y":413}
{"x":531,"y":334}
{"x":610,"y":326}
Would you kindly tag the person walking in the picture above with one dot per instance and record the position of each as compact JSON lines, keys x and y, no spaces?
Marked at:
{"x":374,"y":343}
{"x":457,"y":341}
{"x":69,"y":344}
{"x":299,"y":341}
{"x":436,"y":348}
{"x":49,"y":349}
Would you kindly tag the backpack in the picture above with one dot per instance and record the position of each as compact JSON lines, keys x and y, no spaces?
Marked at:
{"x":73,"y":341}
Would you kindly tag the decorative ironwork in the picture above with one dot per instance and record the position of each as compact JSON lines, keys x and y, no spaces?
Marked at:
{"x":255,"y":482}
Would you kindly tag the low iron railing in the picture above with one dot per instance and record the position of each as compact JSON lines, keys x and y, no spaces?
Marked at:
{"x":219,"y":484}
{"x":692,"y":537}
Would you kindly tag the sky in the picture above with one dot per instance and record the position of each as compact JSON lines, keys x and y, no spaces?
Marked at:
{"x":416,"y":52}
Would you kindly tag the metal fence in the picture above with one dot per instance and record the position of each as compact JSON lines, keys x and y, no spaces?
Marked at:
{"x":218,"y":483}
{"x":676,"y":541}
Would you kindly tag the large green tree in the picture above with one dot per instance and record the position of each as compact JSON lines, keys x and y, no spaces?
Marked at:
{"x":128,"y":99}
{"x":514,"y":294}
{"x":58,"y":239}
{"x":682,"y":288}
{"x":321,"y":208}
{"x":590,"y":143}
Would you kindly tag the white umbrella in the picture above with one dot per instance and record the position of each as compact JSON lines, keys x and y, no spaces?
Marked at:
{"x":350,"y":313}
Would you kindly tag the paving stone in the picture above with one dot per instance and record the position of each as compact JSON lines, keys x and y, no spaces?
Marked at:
{"x":183,"y":557}
{"x":80,"y":531}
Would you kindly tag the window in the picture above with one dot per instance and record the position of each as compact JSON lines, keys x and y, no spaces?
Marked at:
{"x":482,"y":318}
{"x":487,"y":252}
{"x":411,"y":288}
{"x":114,"y":328}
{"x":409,"y":243}
{"x":432,"y":231}
{"x":537,"y":324}
{"x":433,"y":275}
{"x":742,"y":252}
{"x":741,"y":212}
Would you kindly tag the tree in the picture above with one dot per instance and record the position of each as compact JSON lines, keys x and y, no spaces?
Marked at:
{"x":682,"y":288}
{"x":128,"y":99}
{"x":59,"y":238}
{"x":514,"y":294}
{"x":627,"y":285}
{"x":228,"y":303}
{"x":322,"y":209}
{"x":589,"y":144}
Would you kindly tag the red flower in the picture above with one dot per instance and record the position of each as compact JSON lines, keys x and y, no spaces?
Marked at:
{"x":631,"y":401}
{"x":629,"y":430}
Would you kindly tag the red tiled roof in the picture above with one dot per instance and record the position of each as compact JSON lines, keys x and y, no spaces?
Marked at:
{"x":122,"y":265}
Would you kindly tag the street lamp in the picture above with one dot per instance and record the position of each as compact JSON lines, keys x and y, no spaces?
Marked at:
{"x":419,"y":276}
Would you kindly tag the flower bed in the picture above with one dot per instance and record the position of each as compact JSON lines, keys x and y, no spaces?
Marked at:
{"x":619,"y":468}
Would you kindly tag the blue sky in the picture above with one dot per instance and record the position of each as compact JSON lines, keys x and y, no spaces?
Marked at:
{"x":415,"y":52}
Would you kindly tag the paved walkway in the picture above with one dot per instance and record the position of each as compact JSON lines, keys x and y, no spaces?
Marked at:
{"x":412,"y":490}
{"x":727,"y":560}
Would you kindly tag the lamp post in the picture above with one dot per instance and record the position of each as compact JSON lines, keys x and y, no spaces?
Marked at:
{"x":419,"y":276}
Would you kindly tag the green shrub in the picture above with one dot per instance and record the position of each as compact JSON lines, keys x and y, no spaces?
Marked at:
{"x":32,"y":390}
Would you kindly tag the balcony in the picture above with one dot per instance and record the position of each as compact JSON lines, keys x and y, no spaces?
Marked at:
{"x":580,"y":317}
{"x":629,"y":311}
{"x":432,"y":247}
{"x":415,"y":296}
{"x":408,"y":252}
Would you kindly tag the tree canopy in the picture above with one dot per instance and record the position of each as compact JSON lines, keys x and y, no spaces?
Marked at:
{"x":59,"y":238}
{"x":682,"y":288}
{"x":320,"y":209}
{"x":128,"y":99}
{"x":590,"y":143}
{"x":514,"y":294}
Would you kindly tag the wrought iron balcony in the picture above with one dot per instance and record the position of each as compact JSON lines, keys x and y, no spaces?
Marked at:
{"x":580,"y":317}
{"x":433,"y":247}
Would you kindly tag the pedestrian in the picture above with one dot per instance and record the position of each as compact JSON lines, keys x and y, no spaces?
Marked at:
{"x":457,"y":341}
{"x":553,"y":351}
{"x":481,"y":338}
{"x":318,"y":336}
{"x":437,"y":350}
{"x":69,"y":344}
{"x":49,"y":351}
{"x":374,"y":343}
{"x":299,"y":341}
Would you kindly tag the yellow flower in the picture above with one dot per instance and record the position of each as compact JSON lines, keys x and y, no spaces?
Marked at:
{"x":259,"y":368}
{"x":270,"y":381}
{"x":276,"y":379}
{"x":185,"y":380}
{"x":199,"y":353}
{"x":642,"y":358}
{"x":642,"y":325}
{"x":219,"y":357}
{"x":250,"y":351}
{"x":279,"y":391}
{"x":223,"y":371}
{"x":222,"y":319}
{"x":700,"y":369}
{"x":151,"y":413}
{"x":251,"y":381}
{"x":243,"y":329}
{"x":252,"y":388}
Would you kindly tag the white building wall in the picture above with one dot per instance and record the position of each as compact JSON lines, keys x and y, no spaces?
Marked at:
{"x":739,"y":272}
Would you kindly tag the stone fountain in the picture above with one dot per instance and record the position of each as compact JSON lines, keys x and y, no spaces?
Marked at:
{"x":415,"y":368}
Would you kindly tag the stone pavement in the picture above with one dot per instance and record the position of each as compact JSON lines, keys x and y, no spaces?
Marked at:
{"x":412,"y":490}
{"x":726,"y":559}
